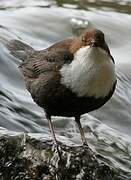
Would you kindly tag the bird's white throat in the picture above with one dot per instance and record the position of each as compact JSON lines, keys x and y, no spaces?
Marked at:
{"x":91,"y":73}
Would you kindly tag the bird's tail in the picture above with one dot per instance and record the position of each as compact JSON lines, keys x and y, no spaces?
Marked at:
{"x":19,"y":49}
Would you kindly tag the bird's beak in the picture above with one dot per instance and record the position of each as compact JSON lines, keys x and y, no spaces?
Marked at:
{"x":93,"y":43}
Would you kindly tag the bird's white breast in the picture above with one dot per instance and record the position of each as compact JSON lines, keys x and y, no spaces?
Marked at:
{"x":91,"y":73}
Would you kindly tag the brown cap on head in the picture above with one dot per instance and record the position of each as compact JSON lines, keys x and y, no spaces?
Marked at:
{"x":93,"y":38}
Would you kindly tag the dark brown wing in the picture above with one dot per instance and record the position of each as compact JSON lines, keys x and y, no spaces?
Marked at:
{"x":42,"y":69}
{"x":45,"y":61}
{"x":36,"y":63}
{"x":51,"y":60}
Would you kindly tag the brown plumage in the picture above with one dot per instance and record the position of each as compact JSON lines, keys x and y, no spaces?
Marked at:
{"x":41,"y":71}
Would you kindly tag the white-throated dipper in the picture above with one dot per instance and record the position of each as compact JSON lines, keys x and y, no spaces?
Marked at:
{"x":71,"y":77}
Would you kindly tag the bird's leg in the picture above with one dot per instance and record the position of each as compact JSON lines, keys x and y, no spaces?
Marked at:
{"x":53,"y":133}
{"x":48,"y":117}
{"x":77,"y":119}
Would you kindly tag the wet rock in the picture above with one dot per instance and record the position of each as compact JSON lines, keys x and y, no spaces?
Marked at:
{"x":25,"y":158}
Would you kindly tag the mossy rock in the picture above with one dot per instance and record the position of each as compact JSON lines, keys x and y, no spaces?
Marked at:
{"x":23,"y":157}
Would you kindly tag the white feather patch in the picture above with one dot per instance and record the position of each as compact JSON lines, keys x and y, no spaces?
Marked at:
{"x":91,"y":73}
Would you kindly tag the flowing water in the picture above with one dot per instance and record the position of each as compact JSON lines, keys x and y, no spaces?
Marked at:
{"x":40,"y":23}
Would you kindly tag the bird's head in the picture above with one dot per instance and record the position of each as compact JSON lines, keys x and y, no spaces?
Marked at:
{"x":92,"y":39}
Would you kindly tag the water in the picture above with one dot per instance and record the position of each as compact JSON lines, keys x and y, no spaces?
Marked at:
{"x":41,"y":23}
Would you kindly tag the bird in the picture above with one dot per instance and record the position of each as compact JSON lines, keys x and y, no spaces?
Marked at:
{"x":72,"y":77}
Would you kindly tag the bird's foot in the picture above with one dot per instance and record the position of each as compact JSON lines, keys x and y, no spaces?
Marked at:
{"x":86,"y":148}
{"x":58,"y":163}
{"x":57,"y":149}
{"x":85,"y":145}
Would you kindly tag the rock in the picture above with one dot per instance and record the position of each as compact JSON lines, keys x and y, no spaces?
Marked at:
{"x":25,"y":158}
